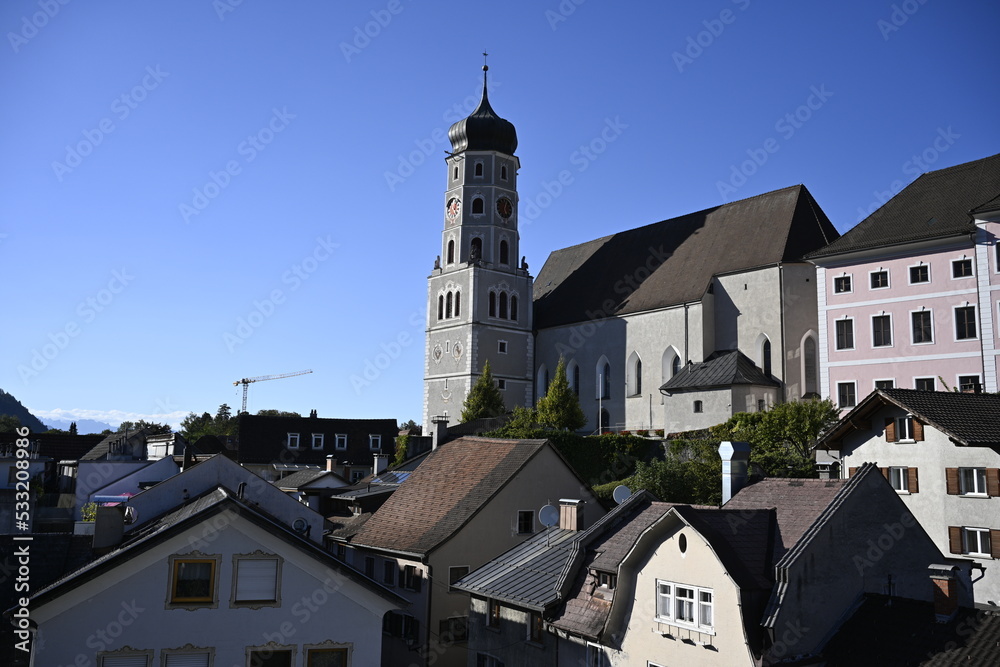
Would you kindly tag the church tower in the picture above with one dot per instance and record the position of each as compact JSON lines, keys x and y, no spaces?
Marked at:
{"x":479,"y":294}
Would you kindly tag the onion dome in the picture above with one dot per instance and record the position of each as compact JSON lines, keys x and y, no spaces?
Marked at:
{"x":483,"y":130}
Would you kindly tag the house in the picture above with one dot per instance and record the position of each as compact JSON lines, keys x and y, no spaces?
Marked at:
{"x":313,"y":487}
{"x":274,"y":446}
{"x":469,"y":500}
{"x":627,"y":311}
{"x":769,"y":576}
{"x":217,"y":580}
{"x":940,"y":451}
{"x":907,"y":298}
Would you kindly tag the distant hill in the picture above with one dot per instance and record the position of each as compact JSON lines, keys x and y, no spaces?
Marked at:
{"x":11,"y":406}
{"x":83,"y":426}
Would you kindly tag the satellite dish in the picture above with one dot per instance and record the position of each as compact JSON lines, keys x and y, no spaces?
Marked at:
{"x":130,"y":515}
{"x":621,"y":493}
{"x":300,"y":525}
{"x":548,"y":516}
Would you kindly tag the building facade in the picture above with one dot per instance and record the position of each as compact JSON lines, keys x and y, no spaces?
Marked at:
{"x":909,"y":297}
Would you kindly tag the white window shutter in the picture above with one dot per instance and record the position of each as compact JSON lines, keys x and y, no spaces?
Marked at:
{"x":187,"y":660}
{"x":256,"y":579}
{"x":124,"y":661}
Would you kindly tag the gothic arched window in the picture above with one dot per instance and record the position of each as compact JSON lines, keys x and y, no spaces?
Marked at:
{"x":441,"y":306}
{"x":504,"y":252}
{"x":513,"y":307}
{"x":765,"y":354}
{"x":493,"y":304}
{"x":503,"y":305}
{"x":447,"y":306}
{"x":451,"y":251}
{"x":458,"y":304}
{"x":605,"y":380}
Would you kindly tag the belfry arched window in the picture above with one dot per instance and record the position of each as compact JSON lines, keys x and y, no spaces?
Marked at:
{"x":493,"y":304}
{"x":476,"y":249}
{"x":441,"y":306}
{"x":447,"y":306}
{"x":458,"y":304}
{"x":503,"y":306}
{"x":451,"y":251}
{"x":478,"y":207}
{"x":513,"y":307}
{"x":504,"y":252}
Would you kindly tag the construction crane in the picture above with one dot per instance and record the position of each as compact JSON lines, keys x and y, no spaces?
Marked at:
{"x":246,"y":383}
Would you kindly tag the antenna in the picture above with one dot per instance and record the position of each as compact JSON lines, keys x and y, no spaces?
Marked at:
{"x":548,"y":516}
{"x":621,"y":493}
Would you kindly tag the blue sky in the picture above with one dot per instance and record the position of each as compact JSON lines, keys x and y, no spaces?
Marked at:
{"x":195,"y":192}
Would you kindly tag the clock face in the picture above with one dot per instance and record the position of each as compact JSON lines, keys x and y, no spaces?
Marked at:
{"x":504,"y":207}
{"x":453,"y":209}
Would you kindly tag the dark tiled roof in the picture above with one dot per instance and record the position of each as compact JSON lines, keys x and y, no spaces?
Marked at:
{"x":971,"y":419}
{"x":724,"y":368}
{"x":579,"y":283}
{"x":988,"y":207}
{"x":346,"y":527}
{"x":742,"y":539}
{"x":451,"y":485}
{"x":57,"y":446}
{"x":263,"y":439}
{"x":797,"y":504}
{"x":304,"y":478}
{"x":905,"y":634}
{"x":935,"y":205}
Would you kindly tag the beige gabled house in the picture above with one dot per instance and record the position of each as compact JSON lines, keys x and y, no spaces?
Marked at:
{"x":470,"y":500}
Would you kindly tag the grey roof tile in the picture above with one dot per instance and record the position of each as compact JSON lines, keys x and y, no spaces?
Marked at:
{"x":723,"y":368}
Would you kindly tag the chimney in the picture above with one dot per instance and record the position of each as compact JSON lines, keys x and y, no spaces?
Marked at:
{"x":109,"y":527}
{"x":570,"y":514}
{"x":945,"y":582}
{"x":734,"y":467}
{"x":312,"y":414}
{"x":331,"y":461}
{"x":439,"y":430}
{"x":381,"y":463}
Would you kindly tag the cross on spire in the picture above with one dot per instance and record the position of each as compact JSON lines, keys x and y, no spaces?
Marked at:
{"x":485,"y":66}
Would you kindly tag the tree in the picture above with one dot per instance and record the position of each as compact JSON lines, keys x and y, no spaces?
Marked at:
{"x":152,"y":428}
{"x":9,"y":423}
{"x":782,"y":438}
{"x":560,"y":407}
{"x":413,"y":427}
{"x":223,"y":424}
{"x":484,"y":399}
{"x":275,"y":413}
{"x":72,"y":428}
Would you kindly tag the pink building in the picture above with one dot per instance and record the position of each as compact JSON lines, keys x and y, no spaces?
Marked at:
{"x":910,"y":297}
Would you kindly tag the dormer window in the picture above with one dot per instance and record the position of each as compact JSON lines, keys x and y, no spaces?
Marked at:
{"x":607,"y":580}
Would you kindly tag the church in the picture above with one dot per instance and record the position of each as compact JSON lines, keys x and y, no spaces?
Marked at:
{"x":672,"y":326}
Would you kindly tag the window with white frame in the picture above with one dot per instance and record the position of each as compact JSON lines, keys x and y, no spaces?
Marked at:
{"x":879,"y":279}
{"x":904,"y":428}
{"x":187,"y":658}
{"x":293,"y":440}
{"x":885,"y":384}
{"x":965,"y":323}
{"x":317,"y":441}
{"x":125,"y":658}
{"x":920,"y":273}
{"x":685,"y":606}
{"x":269,"y":657}
{"x":881,"y":330}
{"x":842,"y":284}
{"x":898,"y":479}
{"x":596,"y":656}
{"x":502,"y":347}
{"x":847,"y":395}
{"x":340,"y":441}
{"x":923,"y":326}
{"x":924,"y":384}
{"x":374,"y":441}
{"x":961,"y":268}
{"x":972,"y":481}
{"x":845,"y":334}
{"x":256,"y":579}
{"x":976,"y":542}
{"x":969,"y":383}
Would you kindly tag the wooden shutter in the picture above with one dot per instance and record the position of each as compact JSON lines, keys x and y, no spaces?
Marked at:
{"x":851,"y":471}
{"x":951,"y":481}
{"x":890,"y":429}
{"x":911,"y":480}
{"x":955,"y":539}
{"x":918,"y":430}
{"x":995,"y":543}
{"x":885,"y":472}
{"x":993,"y":482}
{"x":256,"y":579}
